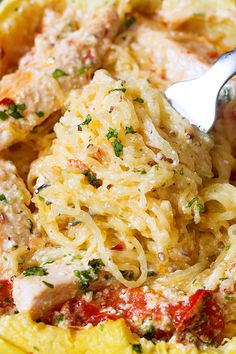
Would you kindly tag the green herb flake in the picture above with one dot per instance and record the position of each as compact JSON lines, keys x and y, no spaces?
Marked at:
{"x":92,"y":179}
{"x":112,"y":133}
{"x":3,"y":198}
{"x":84,"y":277}
{"x":143,"y":172}
{"x":42,"y":199}
{"x":120,"y":89}
{"x":201,"y":208}
{"x":76,"y":258}
{"x":49,"y":285}
{"x":31,"y":225}
{"x":84,"y":69}
{"x":59,"y":318}
{"x":96,"y":264}
{"x":130,"y":21}
{"x":3,"y":115}
{"x":191,"y":202}
{"x":129,"y":130}
{"x":229,"y":298}
{"x":40,"y":114}
{"x":151,"y":273}
{"x":49,"y":262}
{"x":87,"y":120}
{"x":227,"y":247}
{"x":1,"y":285}
{"x":36,"y":348}
{"x":118,"y":147}
{"x":139,"y":100}
{"x":101,"y":327}
{"x":59,"y":73}
{"x":137,"y":348}
{"x":222,"y":279}
{"x":157,"y":166}
{"x":181,"y":172}
{"x":37,"y":271}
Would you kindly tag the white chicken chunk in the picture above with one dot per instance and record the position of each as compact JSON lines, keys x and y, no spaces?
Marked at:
{"x":15,"y":217}
{"x":40,"y":289}
{"x":64,"y":57}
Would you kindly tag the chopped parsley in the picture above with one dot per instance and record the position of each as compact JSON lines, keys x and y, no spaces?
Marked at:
{"x":151,"y":273}
{"x":84,"y":69}
{"x":36,"y":348}
{"x":1,"y":286}
{"x":229,"y":298}
{"x":191,"y":202}
{"x":143,"y":172}
{"x":84,"y":277}
{"x":13,"y":110}
{"x":222,"y":279}
{"x":96,"y":264}
{"x":37,"y":271}
{"x":139,"y":100}
{"x":49,"y":285}
{"x":3,"y":115}
{"x":92,"y":178}
{"x":40,"y":114}
{"x":130,"y":21}
{"x":59,"y":73}
{"x":112,"y":133}
{"x":59,"y":318}
{"x":87,"y":120}
{"x":181,"y":172}
{"x":227,"y":247}
{"x":121,"y":89}
{"x":76,"y":257}
{"x":157,"y":166}
{"x":137,"y":348}
{"x":129,"y":130}
{"x":42,"y":199}
{"x":49,"y":262}
{"x":118,"y":147}
{"x":3,"y":198}
{"x":201,"y":208}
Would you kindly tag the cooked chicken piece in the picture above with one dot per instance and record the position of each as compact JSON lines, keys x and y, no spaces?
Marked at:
{"x":40,"y":289}
{"x":15,"y":217}
{"x":59,"y":62}
{"x":156,"y":51}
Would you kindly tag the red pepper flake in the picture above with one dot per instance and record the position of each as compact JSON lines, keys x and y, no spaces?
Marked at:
{"x":119,"y":247}
{"x":6,"y":101}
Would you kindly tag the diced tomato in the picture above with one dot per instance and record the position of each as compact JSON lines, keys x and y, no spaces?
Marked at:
{"x":201,"y":315}
{"x":6,"y":298}
{"x":213,"y":54}
{"x":78,"y":311}
{"x":6,"y":101}
{"x":119,"y":247}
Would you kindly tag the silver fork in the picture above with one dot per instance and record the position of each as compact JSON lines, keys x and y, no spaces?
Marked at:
{"x":196,"y":99}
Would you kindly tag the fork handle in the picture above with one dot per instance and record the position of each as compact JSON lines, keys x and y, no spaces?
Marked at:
{"x":223,"y":69}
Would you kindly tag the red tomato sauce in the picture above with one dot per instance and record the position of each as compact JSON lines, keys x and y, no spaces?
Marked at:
{"x":6,"y":298}
{"x":200,"y":314}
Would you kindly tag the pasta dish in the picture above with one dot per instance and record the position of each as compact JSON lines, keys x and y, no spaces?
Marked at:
{"x":117,"y":216}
